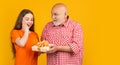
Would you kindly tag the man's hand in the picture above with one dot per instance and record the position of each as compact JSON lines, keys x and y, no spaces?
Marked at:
{"x":53,"y":49}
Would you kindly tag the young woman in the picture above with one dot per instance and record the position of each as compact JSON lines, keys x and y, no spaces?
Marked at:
{"x":23,"y":38}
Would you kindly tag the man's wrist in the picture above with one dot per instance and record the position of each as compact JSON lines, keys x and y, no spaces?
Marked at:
{"x":58,"y":48}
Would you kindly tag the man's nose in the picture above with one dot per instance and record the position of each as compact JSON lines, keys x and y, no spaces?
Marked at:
{"x":53,"y":17}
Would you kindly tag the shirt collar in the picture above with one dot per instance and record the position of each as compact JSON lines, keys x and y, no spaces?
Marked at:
{"x":67,"y":23}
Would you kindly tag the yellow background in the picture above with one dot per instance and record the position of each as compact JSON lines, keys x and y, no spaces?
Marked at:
{"x":99,"y":19}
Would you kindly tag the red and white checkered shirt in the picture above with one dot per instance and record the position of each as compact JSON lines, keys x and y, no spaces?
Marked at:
{"x":70,"y":33}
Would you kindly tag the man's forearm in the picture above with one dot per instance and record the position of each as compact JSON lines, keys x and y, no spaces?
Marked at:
{"x":64,"y":48}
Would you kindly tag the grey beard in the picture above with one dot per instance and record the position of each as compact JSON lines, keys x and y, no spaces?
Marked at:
{"x":57,"y":23}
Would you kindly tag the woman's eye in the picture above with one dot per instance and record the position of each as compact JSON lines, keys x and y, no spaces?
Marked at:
{"x":26,"y":19}
{"x":31,"y":19}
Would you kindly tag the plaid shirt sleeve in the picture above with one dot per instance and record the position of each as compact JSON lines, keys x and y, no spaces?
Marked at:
{"x":77,"y":40}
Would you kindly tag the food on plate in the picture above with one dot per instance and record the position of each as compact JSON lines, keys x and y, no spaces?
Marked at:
{"x":42,"y":46}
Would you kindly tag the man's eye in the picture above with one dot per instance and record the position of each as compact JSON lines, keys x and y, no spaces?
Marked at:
{"x":55,"y":14}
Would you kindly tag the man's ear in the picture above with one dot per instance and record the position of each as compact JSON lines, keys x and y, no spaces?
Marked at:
{"x":66,"y":14}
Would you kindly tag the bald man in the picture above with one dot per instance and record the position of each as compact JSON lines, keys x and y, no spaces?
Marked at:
{"x":66,"y":37}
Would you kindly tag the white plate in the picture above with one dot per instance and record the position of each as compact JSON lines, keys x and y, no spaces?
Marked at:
{"x":41,"y":49}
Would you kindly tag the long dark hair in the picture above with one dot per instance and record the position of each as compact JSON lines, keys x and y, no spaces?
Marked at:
{"x":18,"y":24}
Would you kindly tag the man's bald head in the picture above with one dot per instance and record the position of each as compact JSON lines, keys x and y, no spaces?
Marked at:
{"x":59,"y":13}
{"x":60,"y":6}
